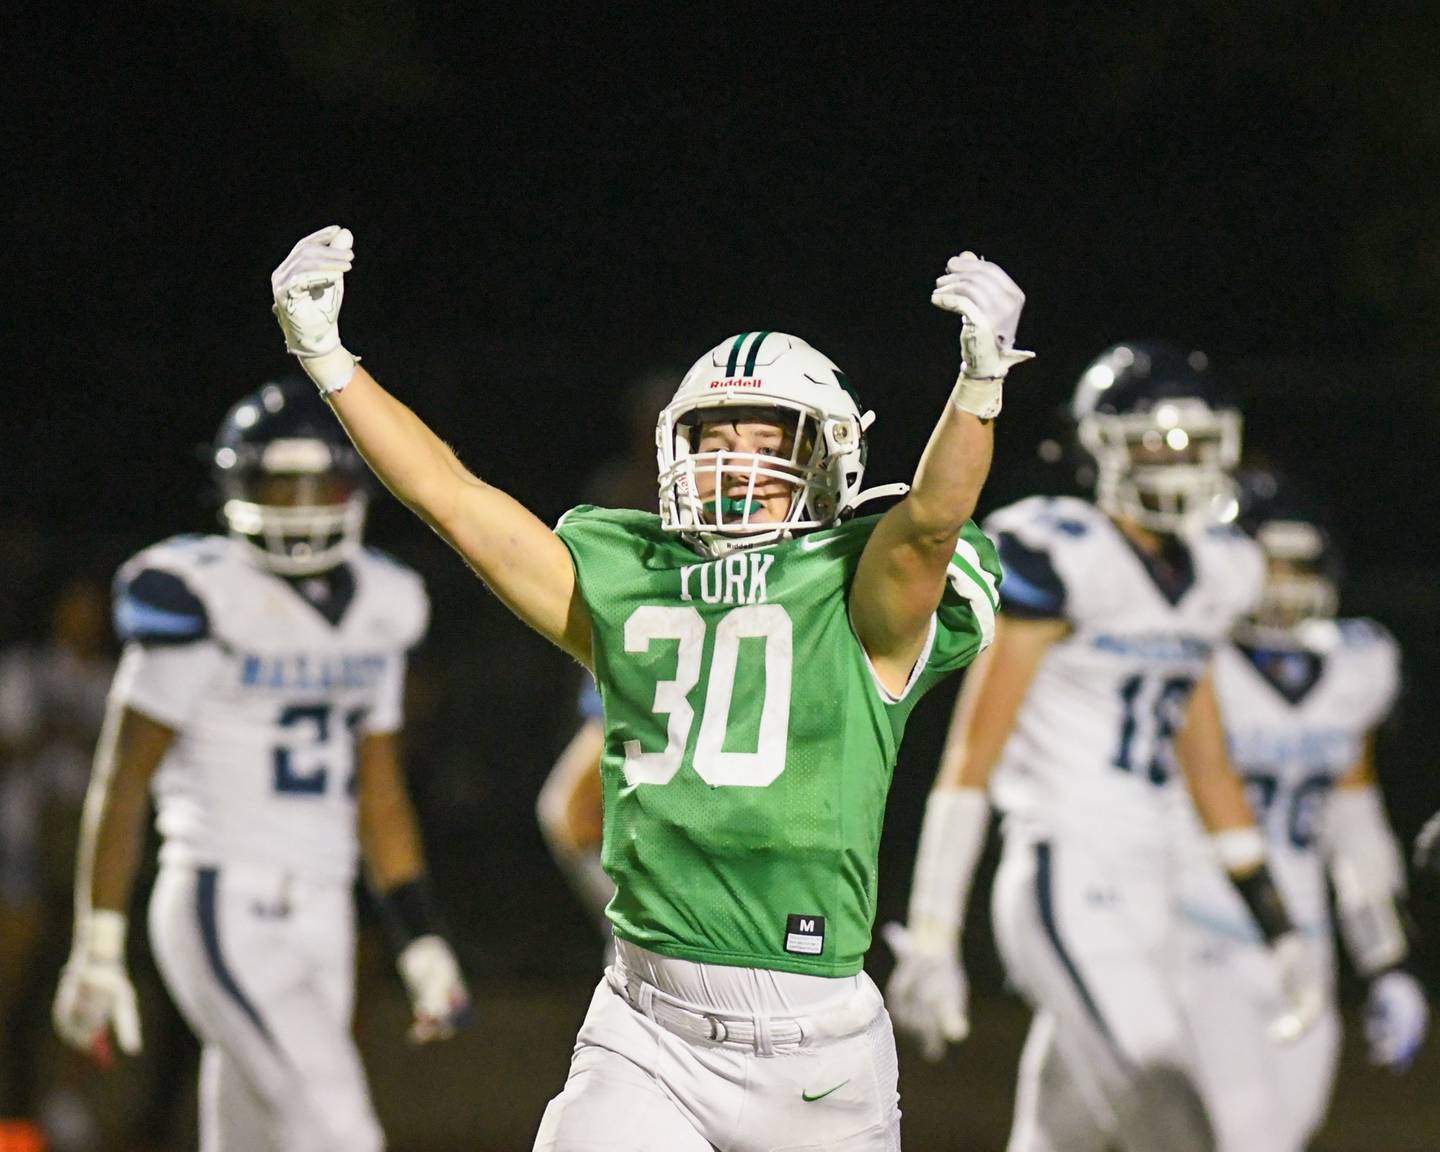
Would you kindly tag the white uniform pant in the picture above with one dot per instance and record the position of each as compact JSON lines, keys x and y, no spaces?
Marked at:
{"x":1108,"y":1060}
{"x":263,"y":968}
{"x":635,"y":1086}
{"x":1264,"y":1096}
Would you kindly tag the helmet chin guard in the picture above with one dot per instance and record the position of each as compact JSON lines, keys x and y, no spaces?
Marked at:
{"x":300,"y":540}
{"x":773,"y":377}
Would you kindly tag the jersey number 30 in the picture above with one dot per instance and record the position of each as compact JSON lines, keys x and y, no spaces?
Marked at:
{"x":712,"y":763}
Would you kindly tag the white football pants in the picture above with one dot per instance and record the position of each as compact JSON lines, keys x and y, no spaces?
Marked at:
{"x":1108,"y":1060}
{"x":1263,"y":1096}
{"x":263,"y":968}
{"x":635,"y":1086}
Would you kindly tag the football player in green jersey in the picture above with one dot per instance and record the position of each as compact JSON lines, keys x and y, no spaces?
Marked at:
{"x":758,"y":649}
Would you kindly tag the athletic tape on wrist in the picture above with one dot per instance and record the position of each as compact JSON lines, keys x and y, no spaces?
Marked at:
{"x":1239,"y":850}
{"x":981,"y":397}
{"x":332,"y":370}
{"x":105,"y":934}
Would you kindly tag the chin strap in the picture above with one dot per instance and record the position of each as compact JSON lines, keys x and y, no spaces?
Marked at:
{"x":879,"y":492}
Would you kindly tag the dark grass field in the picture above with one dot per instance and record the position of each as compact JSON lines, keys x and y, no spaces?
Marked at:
{"x":484,"y":1092}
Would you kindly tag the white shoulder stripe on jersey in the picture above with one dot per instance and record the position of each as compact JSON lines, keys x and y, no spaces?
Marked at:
{"x":979,"y":599}
{"x":966,"y":551}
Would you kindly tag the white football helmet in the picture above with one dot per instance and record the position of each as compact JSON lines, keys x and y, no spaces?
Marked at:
{"x":769,"y":376}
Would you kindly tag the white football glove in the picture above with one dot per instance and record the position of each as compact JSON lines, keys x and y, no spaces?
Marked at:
{"x":927,"y":993}
{"x":1300,"y":988}
{"x":438,"y":996}
{"x":990,"y":303}
{"x":1397,"y":1016}
{"x":308,"y":288}
{"x":95,"y":996}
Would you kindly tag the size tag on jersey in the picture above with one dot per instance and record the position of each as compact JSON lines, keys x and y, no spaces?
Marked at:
{"x":805,"y":935}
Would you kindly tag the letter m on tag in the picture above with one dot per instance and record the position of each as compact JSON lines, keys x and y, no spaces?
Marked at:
{"x":805,"y":935}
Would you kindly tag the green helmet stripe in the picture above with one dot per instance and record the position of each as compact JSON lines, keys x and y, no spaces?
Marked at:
{"x":844,"y":382}
{"x":735,"y":353}
{"x":754,"y":351}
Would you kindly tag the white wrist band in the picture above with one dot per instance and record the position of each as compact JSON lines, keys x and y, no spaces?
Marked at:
{"x":104,"y":935}
{"x":1239,"y":850}
{"x":952,"y":837}
{"x":978,"y":396}
{"x":331,"y":370}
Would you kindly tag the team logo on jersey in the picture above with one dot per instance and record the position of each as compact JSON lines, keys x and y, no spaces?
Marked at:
{"x":735,"y":579}
{"x":805,"y":935}
{"x":1164,"y":646}
{"x":307,"y":672}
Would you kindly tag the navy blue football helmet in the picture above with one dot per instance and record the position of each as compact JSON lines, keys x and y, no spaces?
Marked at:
{"x":292,"y":485}
{"x":1302,"y":564}
{"x":1163,"y":440}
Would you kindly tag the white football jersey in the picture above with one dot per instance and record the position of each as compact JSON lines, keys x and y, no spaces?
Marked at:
{"x":269,"y":683}
{"x":1297,"y":722}
{"x":1091,"y":755}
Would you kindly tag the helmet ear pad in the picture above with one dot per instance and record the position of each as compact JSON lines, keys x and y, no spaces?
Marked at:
{"x":776,"y":377}
{"x":283,"y":432}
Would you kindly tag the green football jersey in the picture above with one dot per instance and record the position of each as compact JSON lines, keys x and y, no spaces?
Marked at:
{"x":748,"y":745}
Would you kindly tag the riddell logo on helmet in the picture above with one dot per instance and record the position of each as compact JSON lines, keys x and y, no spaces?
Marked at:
{"x":739,"y":382}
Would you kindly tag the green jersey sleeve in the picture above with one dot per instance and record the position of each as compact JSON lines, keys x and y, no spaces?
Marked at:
{"x":965,"y":620}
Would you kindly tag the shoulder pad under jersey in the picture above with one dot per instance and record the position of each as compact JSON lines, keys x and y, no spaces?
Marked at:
{"x":1375,"y":654}
{"x":400,"y":590}
{"x":1045,"y":544}
{"x":159,"y":594}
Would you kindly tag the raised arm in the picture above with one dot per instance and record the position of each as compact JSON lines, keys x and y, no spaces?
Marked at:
{"x":901,"y":576}
{"x":513,"y":551}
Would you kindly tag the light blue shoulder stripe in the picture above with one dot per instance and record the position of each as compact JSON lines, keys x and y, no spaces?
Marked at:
{"x":136,"y":618}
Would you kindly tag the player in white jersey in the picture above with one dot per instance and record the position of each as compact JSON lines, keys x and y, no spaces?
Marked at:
{"x":259,"y":698}
{"x":1096,"y":685}
{"x":1302,"y":694}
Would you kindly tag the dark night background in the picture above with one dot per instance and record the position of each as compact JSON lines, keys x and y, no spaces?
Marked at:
{"x":551,"y":205}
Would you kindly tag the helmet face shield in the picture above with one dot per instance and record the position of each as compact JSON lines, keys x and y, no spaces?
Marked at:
{"x":1300,"y":581}
{"x":298,"y":540}
{"x":292,"y":486}
{"x":717,"y":489}
{"x":1166,"y":467}
{"x":750,"y":459}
